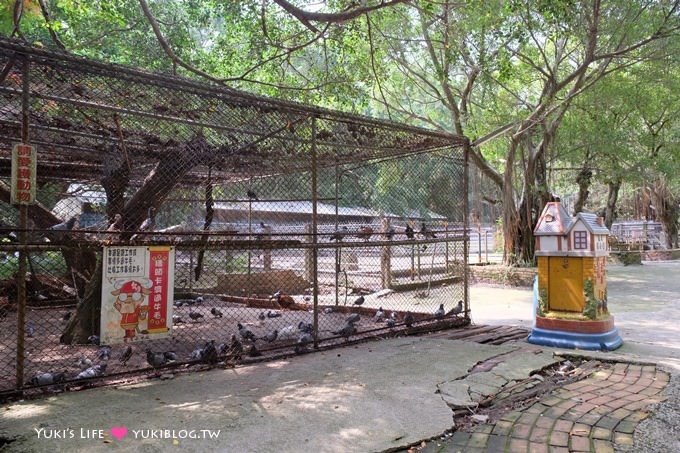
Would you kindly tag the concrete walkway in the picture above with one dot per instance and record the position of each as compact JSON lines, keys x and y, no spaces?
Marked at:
{"x":380,"y":395}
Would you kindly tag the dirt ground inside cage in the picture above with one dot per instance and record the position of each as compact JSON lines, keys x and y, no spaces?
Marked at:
{"x":44,"y":352}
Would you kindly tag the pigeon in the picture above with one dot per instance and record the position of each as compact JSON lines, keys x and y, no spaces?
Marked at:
{"x":47,"y":379}
{"x":104,"y":353}
{"x":261,"y":316}
{"x":93,"y":371}
{"x":288,"y":332}
{"x":379,"y":315}
{"x":197,"y":354}
{"x":389,"y":234}
{"x":235,"y":348}
{"x":251,"y":195}
{"x":253,"y":351}
{"x":181,"y":302}
{"x":215,"y":312}
{"x":328,"y":310}
{"x":359,"y":301}
{"x":455,"y":311}
{"x":93,"y":339}
{"x":353,"y":318}
{"x":346,"y":331}
{"x":339,"y":235}
{"x":409,"y":319}
{"x":125,"y":356}
{"x":30,"y":329}
{"x":427,"y":234}
{"x":306,"y":327}
{"x":273,"y":314}
{"x":176,"y":319}
{"x":210,"y":353}
{"x":245,"y":332}
{"x":410,"y":234}
{"x":155,"y":359}
{"x":261,"y":231}
{"x":116,"y":225}
{"x":170,"y":356}
{"x":194,"y":315}
{"x":440,"y":312}
{"x":84,"y":362}
{"x":303,"y":341}
{"x":271,"y":337}
{"x":64,"y":226}
{"x":149,"y":224}
{"x":391,"y":320}
{"x":66,"y":317}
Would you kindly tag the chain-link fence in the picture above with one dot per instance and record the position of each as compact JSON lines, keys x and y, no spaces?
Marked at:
{"x":178,"y":222}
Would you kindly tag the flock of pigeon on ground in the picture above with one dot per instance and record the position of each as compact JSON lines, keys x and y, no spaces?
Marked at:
{"x":243,"y":343}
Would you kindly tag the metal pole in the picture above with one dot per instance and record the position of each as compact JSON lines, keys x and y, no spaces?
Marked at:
{"x":315,"y":251}
{"x":337,"y":250}
{"x":466,"y":271}
{"x":23,"y":222}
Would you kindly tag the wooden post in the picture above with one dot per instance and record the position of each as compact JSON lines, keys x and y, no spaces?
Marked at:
{"x":385,"y":258}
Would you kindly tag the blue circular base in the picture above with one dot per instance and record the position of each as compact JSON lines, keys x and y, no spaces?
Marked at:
{"x":607,"y":341}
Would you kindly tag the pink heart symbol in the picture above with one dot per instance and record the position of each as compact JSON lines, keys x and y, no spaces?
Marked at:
{"x":118,"y":432}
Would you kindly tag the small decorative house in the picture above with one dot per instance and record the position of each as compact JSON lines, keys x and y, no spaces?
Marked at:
{"x":572,"y":290}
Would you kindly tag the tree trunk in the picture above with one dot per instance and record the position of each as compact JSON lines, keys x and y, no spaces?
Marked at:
{"x":583,"y":179}
{"x":85,"y":321}
{"x":612,"y":197}
{"x":667,"y":211}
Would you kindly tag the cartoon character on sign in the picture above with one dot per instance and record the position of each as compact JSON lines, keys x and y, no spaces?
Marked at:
{"x":129,"y":298}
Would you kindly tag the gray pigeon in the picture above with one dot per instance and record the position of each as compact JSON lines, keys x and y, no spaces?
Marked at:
{"x":197,"y":354}
{"x":440,"y":312}
{"x":346,"y":331}
{"x":93,"y":339}
{"x":93,"y":371}
{"x":155,"y":359}
{"x":391,"y":320}
{"x":177,"y":319}
{"x":215,"y":312}
{"x":235,"y":348}
{"x":84,"y":363}
{"x":245,"y":332}
{"x":47,"y":379}
{"x":409,"y":319}
{"x":359,"y":300}
{"x":455,"y":311}
{"x":303,"y":341}
{"x":379,"y":315}
{"x":261,"y":316}
{"x":195,"y":315}
{"x":273,"y":314}
{"x":353,"y":318}
{"x":170,"y":356}
{"x":210,"y":353}
{"x":30,"y":329}
{"x":306,"y":327}
{"x":104,"y":353}
{"x":271,"y":337}
{"x":126,"y":355}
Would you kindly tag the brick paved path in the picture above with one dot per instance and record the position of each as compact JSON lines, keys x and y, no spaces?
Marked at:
{"x":592,"y":415}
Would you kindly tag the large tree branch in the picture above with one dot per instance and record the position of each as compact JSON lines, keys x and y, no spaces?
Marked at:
{"x":50,"y":28}
{"x":307,"y":17}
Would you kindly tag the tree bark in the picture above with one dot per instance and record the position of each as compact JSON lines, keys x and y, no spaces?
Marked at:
{"x":583,"y":179}
{"x":85,"y":321}
{"x":612,"y":197}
